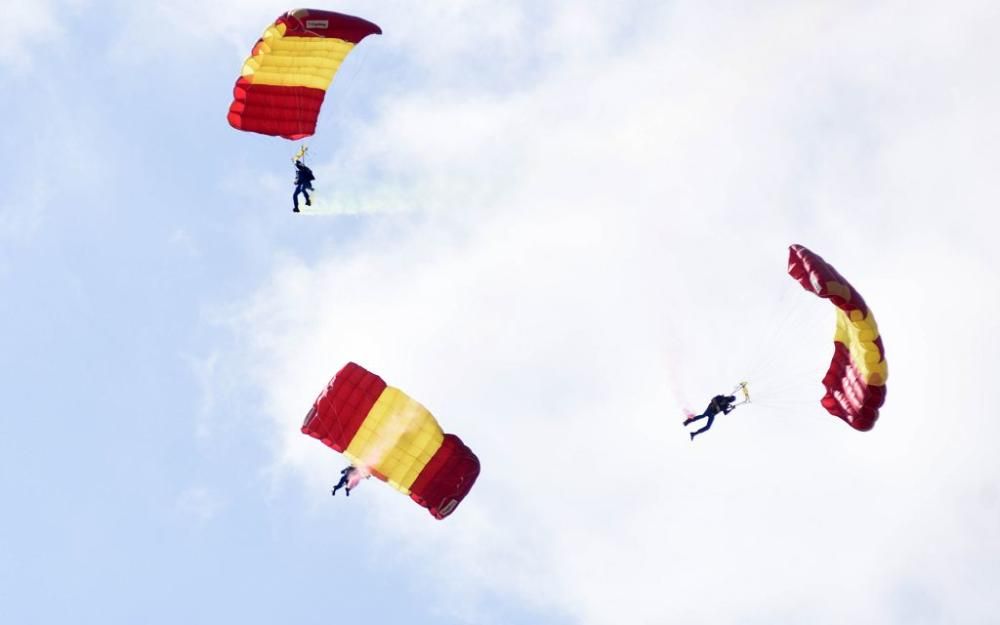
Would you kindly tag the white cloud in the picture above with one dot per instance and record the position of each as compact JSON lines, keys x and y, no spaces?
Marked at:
{"x":183,"y":29}
{"x":28,"y":25}
{"x":607,"y":244}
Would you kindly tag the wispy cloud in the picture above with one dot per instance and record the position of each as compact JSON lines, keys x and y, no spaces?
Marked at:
{"x":29,"y":26}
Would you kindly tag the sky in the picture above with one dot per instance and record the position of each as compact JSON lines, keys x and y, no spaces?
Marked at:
{"x":557,"y":225}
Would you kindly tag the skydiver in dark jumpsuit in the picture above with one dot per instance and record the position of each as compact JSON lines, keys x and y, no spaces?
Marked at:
{"x":719,"y":403}
{"x":303,"y":184}
{"x":349,"y":477}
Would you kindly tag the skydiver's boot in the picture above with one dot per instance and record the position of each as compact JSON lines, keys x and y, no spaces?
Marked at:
{"x":348,"y":491}
{"x":692,"y":436}
{"x":295,"y":209}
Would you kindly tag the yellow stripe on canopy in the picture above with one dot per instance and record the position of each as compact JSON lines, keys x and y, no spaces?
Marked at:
{"x":397,"y":439}
{"x":858,"y":332}
{"x":295,"y":61}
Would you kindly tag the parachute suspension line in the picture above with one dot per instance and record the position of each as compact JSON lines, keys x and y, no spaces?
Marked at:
{"x":763,"y":356}
{"x":778,"y":358}
{"x":759,"y":348}
{"x":787,"y":410}
{"x":777,"y":378}
{"x":341,"y":100}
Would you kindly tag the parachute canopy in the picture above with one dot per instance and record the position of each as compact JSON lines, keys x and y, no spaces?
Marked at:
{"x":855,"y":382}
{"x":284,"y":81}
{"x":385,"y":433}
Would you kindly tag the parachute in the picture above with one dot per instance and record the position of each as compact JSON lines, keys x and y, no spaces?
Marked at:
{"x":855,"y":381}
{"x":387,"y":434}
{"x":283,"y":82}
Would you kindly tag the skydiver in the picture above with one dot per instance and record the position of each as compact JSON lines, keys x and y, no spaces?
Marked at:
{"x":303,"y":184}
{"x":719,"y":403}
{"x":349,"y":477}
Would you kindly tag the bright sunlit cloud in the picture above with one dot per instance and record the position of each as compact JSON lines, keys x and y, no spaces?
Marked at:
{"x":604,"y":245}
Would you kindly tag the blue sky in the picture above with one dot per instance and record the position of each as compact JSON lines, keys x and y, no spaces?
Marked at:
{"x":556,"y":225}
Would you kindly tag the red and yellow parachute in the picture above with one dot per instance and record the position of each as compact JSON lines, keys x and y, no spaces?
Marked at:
{"x":284,"y":81}
{"x":384,"y":432}
{"x":855,"y":382}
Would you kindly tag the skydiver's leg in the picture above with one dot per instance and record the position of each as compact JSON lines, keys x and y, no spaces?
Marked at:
{"x":306,"y":193}
{"x":708,"y":425}
{"x":295,"y":197}
{"x":691,"y":420}
{"x":709,"y":412}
